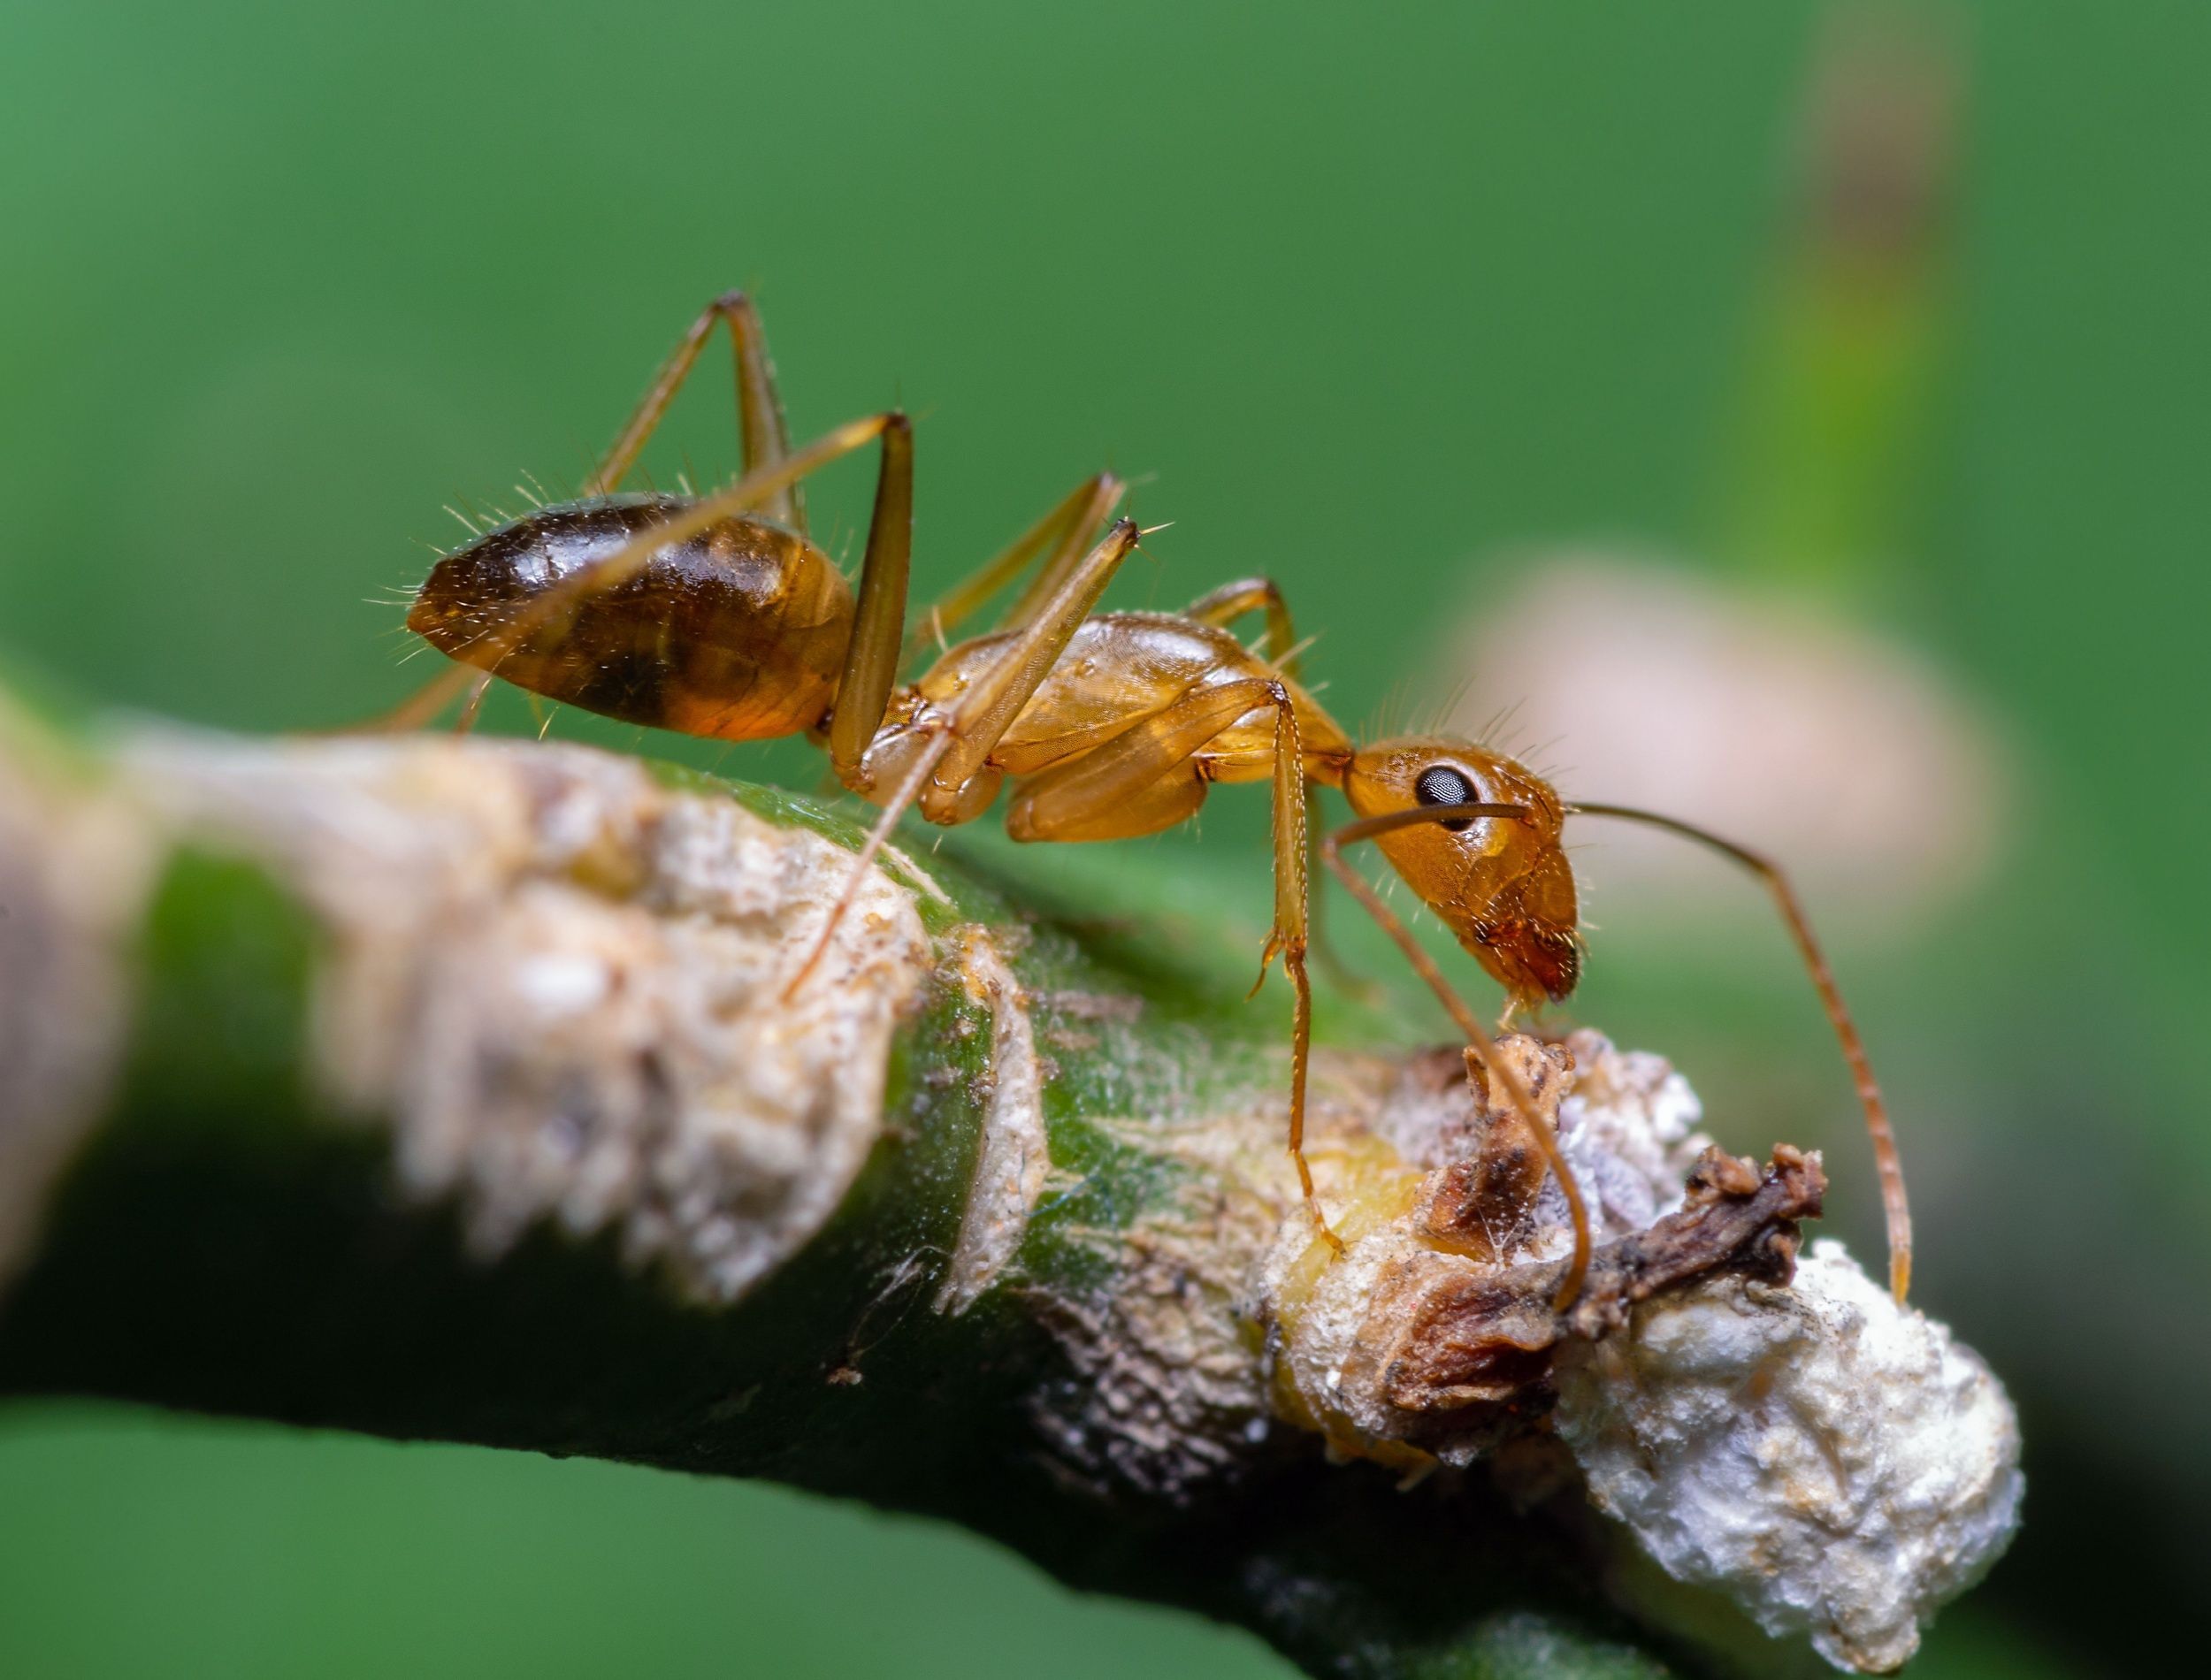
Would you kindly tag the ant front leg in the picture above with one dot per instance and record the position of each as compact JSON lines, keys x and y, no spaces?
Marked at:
{"x":1154,"y":775}
{"x":1279,"y":648}
{"x":760,"y":425}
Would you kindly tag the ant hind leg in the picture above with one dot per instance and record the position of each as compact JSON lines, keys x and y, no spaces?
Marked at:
{"x":760,"y":423}
{"x":472,"y":707}
{"x":871,"y":657}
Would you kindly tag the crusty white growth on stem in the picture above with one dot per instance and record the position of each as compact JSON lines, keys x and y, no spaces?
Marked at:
{"x":1837,"y":1464}
{"x":555,"y":978}
{"x":1627,"y":1125}
{"x":559,"y":983}
{"x":1013,"y":1158}
{"x":73,"y":862}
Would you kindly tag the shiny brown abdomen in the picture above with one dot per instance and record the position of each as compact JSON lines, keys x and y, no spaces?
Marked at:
{"x":739,"y":634}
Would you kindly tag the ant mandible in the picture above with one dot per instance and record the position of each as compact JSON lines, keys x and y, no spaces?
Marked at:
{"x":716,"y":615}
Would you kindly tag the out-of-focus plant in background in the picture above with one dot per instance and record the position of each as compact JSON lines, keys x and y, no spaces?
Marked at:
{"x":1793,"y":414}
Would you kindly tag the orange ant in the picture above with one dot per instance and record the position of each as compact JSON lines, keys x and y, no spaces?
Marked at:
{"x":716,"y":615}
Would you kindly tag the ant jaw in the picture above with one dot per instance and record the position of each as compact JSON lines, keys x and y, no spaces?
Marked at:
{"x":1532,"y":960}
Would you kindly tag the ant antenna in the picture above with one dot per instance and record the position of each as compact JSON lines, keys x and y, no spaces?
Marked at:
{"x":1876,"y":1123}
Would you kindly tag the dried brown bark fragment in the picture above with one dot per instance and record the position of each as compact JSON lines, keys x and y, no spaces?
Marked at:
{"x":1438,"y":1338}
{"x":1459,"y":1339}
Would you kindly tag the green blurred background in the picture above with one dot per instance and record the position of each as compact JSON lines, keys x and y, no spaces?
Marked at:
{"x":1389,"y":305}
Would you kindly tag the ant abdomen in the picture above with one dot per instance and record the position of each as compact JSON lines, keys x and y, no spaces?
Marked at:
{"x":737,"y":633}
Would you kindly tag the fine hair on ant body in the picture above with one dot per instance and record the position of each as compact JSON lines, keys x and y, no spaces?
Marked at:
{"x":717,"y":615}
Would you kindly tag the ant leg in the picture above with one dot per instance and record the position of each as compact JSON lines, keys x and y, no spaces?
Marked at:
{"x":1279,"y":648}
{"x":760,"y":423}
{"x":950,"y":752}
{"x":548,"y":608}
{"x":978,"y":721}
{"x":1151,"y":777}
{"x":1894,"y":1204}
{"x":1143,"y":780}
{"x":1104,"y":494}
{"x":1364,"y":987}
{"x":871,"y":657}
{"x":1231,"y":601}
{"x":472,"y":707}
{"x":1293,"y":906}
{"x":1484,"y":1046}
{"x":1059,"y":534}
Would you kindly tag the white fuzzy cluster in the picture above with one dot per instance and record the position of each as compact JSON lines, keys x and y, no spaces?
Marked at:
{"x":1835,"y":1463}
{"x":563,"y":983}
{"x":1013,"y":1156}
{"x":74,"y":867}
{"x":1628,"y":1128}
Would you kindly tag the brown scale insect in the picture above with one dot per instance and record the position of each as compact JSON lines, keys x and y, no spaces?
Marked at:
{"x":718,"y":616}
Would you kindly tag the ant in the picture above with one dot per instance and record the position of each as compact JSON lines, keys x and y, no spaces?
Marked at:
{"x":717,"y":615}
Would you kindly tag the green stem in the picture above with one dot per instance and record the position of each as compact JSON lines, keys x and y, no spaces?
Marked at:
{"x":232,"y":1229}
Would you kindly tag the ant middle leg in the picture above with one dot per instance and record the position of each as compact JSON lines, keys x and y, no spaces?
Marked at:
{"x":873,"y":659}
{"x":1224,"y":605}
{"x":943,"y":764}
{"x":760,"y":423}
{"x":1155,"y":774}
{"x":1058,"y":537}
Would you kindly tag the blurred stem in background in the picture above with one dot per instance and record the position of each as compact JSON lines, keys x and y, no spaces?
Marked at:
{"x":1826,"y":474}
{"x":1751,"y":680}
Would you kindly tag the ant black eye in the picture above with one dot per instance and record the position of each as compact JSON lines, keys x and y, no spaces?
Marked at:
{"x":1440,"y":784}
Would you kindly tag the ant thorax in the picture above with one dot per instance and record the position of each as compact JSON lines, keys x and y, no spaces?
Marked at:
{"x":1119,"y":668}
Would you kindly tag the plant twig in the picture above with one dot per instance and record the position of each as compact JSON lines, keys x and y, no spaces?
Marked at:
{"x":446,"y":1089}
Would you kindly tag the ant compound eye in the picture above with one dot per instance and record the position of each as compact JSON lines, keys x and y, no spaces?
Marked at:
{"x":1442,"y":784}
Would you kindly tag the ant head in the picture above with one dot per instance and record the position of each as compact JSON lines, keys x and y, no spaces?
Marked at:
{"x":1503,"y":884}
